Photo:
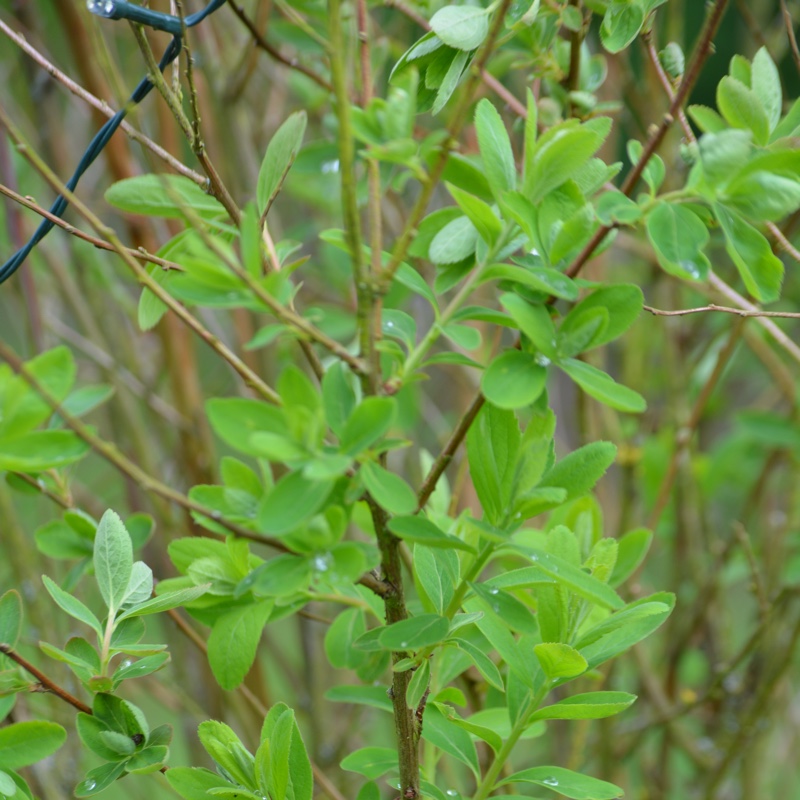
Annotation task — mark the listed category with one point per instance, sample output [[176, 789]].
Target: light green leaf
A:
[[766, 85], [462, 27], [534, 321], [40, 450], [621, 25], [162, 196], [479, 213], [631, 550], [193, 783], [73, 606], [678, 237], [449, 737], [742, 108], [591, 705], [113, 560], [559, 660], [281, 153], [495, 148], [388, 490], [294, 499], [164, 602], [513, 380], [372, 762], [24, 743], [579, 471], [233, 642], [454, 242], [369, 422]]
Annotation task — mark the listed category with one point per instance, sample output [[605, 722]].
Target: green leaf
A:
[[482, 662], [422, 531], [415, 633], [449, 737], [388, 490], [579, 471], [235, 420], [742, 108], [567, 783], [495, 148], [10, 617], [462, 27], [369, 422], [373, 696], [454, 242], [99, 779], [148, 760], [233, 642], [162, 196], [576, 580], [763, 196], [40, 451], [480, 214], [223, 745], [164, 602], [513, 380], [723, 153], [113, 560], [766, 85], [603, 387], [631, 550], [451, 79], [621, 25], [294, 499], [591, 705], [760, 268], [338, 396], [534, 321], [24, 743], [371, 762], [193, 783], [708, 120], [283, 575], [141, 667], [623, 301], [281, 153], [678, 237], [517, 616], [558, 155], [559, 660], [73, 606], [542, 279]]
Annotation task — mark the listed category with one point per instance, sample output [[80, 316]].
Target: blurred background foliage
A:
[[712, 466]]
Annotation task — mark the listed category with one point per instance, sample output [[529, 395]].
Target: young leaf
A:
[[449, 737], [678, 237], [162, 196], [766, 85], [742, 108], [371, 762], [281, 153], [479, 213], [579, 471], [73, 606], [462, 27], [369, 422], [495, 147], [164, 602], [294, 499], [560, 661], [621, 24], [631, 550], [113, 560]]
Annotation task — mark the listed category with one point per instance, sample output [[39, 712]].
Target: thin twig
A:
[[100, 244], [739, 312], [48, 684], [787, 18]]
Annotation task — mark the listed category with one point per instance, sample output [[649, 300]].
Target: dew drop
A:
[[88, 786], [126, 663], [534, 558], [102, 7], [451, 793], [323, 562], [551, 781], [330, 166], [542, 360], [403, 644], [494, 591]]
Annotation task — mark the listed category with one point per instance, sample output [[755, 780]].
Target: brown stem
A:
[[789, 22], [739, 312], [47, 683]]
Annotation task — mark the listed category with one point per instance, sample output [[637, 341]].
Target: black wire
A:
[[100, 140]]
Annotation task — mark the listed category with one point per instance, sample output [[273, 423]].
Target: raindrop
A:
[[494, 591], [103, 7], [330, 166], [534, 558], [88, 786], [126, 663], [323, 562], [451, 793], [388, 324], [542, 360], [551, 781], [403, 644]]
